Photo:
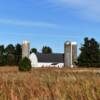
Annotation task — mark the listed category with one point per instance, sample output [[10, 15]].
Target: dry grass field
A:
[[50, 84]]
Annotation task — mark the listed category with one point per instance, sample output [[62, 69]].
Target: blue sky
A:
[[49, 22]]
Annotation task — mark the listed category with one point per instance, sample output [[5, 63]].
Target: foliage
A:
[[11, 59], [33, 50], [1, 49], [90, 53], [11, 55], [25, 64], [46, 50], [1, 55], [10, 51], [3, 60], [18, 53]]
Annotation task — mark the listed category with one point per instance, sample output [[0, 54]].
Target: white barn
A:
[[47, 60]]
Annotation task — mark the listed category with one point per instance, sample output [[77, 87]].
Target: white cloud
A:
[[88, 9], [28, 23]]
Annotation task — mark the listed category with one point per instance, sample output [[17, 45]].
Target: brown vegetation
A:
[[49, 84]]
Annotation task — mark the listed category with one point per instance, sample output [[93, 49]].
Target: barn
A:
[[47, 60]]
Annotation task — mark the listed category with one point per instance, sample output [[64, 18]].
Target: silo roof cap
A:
[[69, 42], [25, 42], [74, 43]]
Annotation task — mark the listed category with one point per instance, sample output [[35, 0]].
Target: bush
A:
[[25, 64]]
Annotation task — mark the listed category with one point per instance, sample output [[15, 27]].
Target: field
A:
[[50, 84]]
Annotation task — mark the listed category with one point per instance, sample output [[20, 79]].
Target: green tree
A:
[[1, 49], [10, 52], [18, 53], [90, 53], [1, 54], [33, 50], [10, 49], [25, 64], [46, 50]]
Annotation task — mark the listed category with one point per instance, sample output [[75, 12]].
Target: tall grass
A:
[[49, 84]]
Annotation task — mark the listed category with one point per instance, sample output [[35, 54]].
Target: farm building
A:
[[67, 59]]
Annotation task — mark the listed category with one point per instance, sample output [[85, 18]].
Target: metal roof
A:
[[54, 57]]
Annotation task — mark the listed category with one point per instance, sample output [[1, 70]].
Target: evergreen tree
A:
[[46, 50], [18, 53], [33, 50], [25, 64], [1, 54], [10, 52], [90, 54]]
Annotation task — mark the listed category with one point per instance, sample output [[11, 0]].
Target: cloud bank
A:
[[88, 9]]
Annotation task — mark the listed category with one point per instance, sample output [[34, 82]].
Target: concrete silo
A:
[[25, 49], [70, 54]]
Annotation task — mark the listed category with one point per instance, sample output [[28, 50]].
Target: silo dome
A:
[[67, 43], [25, 42], [34, 60], [74, 43]]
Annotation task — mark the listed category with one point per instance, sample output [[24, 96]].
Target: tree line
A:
[[45, 50], [12, 55], [89, 55]]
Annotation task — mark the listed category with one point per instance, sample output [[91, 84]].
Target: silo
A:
[[74, 53], [70, 54], [25, 49]]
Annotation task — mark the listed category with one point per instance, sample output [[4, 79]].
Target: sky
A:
[[49, 22]]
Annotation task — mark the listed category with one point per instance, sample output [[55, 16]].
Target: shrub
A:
[[25, 64]]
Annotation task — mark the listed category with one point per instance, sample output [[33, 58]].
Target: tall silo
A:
[[25, 49], [74, 53], [70, 54]]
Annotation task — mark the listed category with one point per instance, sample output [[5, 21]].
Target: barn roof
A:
[[54, 57]]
